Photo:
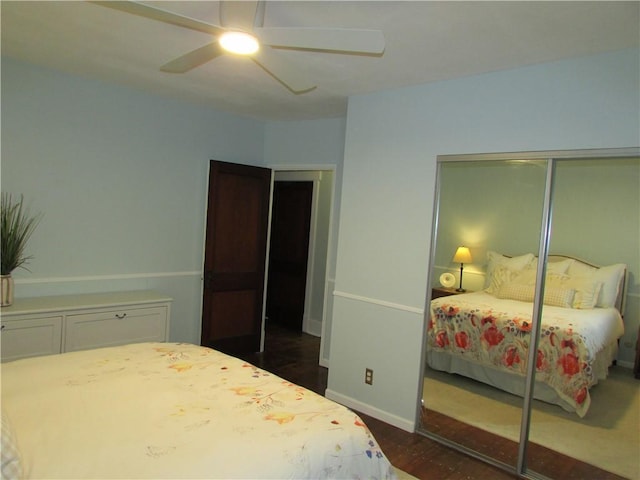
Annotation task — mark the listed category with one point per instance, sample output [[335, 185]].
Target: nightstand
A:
[[437, 292]]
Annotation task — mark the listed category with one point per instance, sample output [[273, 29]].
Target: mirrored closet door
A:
[[595, 222], [515, 238]]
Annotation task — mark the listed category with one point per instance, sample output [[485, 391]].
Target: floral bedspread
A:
[[158, 410], [497, 337]]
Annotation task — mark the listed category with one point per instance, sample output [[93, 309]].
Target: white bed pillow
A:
[[610, 276], [528, 277], [587, 291], [560, 267], [586, 288], [511, 264], [500, 275]]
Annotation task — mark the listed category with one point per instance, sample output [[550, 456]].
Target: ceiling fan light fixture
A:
[[240, 43]]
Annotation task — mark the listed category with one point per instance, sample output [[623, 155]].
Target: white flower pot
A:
[[6, 290]]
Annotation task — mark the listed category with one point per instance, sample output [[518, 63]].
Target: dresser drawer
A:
[[115, 327], [31, 337]]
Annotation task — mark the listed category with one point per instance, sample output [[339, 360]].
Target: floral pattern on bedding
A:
[[500, 340], [182, 411]]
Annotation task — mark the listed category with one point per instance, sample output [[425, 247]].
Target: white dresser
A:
[[46, 325]]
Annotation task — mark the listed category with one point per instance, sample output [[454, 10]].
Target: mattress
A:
[[157, 410]]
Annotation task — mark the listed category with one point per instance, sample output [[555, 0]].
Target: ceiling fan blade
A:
[[258, 21], [161, 15], [238, 14], [193, 59], [329, 39], [292, 78]]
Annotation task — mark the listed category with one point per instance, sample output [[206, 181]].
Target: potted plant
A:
[[16, 226]]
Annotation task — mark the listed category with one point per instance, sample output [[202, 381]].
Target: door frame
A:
[[328, 282], [314, 177], [330, 247]]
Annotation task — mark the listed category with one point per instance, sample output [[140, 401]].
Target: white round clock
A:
[[447, 280]]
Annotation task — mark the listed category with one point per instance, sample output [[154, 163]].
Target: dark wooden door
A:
[[235, 256], [289, 252]]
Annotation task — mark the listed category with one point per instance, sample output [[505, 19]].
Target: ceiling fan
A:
[[246, 19]]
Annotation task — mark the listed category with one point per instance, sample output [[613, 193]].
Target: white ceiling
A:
[[426, 41]]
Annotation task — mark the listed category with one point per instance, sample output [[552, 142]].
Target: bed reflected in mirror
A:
[[595, 220], [580, 215], [494, 209]]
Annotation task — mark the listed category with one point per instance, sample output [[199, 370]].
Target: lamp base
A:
[[460, 290]]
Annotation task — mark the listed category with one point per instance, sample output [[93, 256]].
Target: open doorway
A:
[[236, 249], [298, 252]]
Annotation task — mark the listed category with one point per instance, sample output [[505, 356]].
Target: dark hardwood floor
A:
[[294, 356]]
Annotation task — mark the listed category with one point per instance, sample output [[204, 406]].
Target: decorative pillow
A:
[[516, 291], [512, 263], [555, 296], [559, 268], [587, 291], [559, 297], [610, 276], [500, 275], [11, 465], [528, 277]]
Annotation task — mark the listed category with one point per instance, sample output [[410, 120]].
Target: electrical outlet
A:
[[368, 376]]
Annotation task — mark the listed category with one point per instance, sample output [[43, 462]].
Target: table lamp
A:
[[462, 256]]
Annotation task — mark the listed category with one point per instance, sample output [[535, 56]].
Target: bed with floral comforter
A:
[[175, 411], [575, 348]]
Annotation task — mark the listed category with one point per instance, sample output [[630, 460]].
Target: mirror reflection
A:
[[487, 229], [489, 217], [597, 225]]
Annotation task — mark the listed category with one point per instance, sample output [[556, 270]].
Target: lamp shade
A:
[[462, 255]]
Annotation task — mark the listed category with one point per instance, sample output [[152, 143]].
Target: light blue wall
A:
[[313, 144], [392, 141], [487, 206], [121, 178]]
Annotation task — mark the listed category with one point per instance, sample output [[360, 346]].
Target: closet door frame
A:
[[545, 236]]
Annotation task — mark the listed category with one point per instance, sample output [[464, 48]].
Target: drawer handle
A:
[[121, 316]]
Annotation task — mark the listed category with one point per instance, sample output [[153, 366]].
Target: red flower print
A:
[[451, 310], [581, 396], [569, 363], [523, 325], [492, 336], [540, 360], [462, 340], [442, 339], [511, 356], [569, 344], [490, 319], [430, 326]]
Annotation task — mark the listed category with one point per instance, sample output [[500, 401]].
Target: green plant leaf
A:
[[16, 227]]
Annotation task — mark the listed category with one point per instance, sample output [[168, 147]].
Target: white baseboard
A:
[[402, 423], [625, 364], [313, 327]]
